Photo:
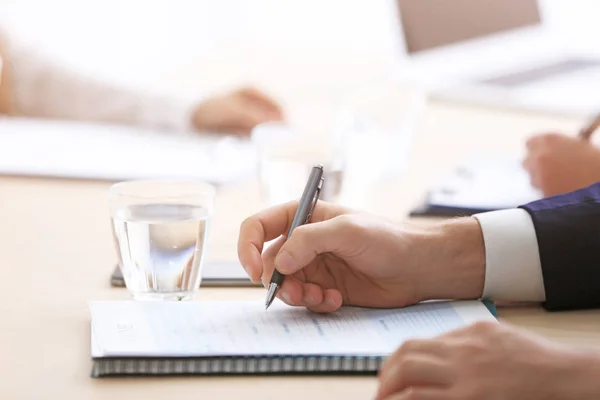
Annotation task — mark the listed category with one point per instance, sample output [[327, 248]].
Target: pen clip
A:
[[314, 203]]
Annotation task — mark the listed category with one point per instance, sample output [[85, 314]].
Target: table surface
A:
[[57, 254]]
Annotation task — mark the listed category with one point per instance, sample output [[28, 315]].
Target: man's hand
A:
[[488, 361], [559, 164], [345, 257], [236, 112]]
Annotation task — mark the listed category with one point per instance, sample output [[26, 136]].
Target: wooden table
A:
[[57, 254]]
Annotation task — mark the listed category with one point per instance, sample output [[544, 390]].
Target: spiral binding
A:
[[236, 365]]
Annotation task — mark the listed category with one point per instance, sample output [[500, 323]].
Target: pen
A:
[[303, 213], [586, 132]]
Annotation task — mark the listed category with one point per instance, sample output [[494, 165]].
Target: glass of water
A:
[[161, 229], [285, 160]]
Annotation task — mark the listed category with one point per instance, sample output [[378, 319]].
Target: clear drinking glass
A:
[[161, 230], [285, 159], [376, 126]]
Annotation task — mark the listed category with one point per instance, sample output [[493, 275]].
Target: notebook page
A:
[[245, 328]]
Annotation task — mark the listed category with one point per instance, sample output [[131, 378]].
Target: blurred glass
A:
[[285, 159], [367, 138], [161, 230], [376, 128]]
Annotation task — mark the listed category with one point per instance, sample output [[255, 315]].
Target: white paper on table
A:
[[110, 152], [485, 183], [215, 328]]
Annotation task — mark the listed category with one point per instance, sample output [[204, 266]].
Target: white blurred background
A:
[[149, 40], [177, 43]]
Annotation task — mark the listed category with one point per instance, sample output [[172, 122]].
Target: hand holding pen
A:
[[588, 130], [306, 205], [351, 258], [559, 163]]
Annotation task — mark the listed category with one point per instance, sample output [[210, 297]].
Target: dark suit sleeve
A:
[[568, 233]]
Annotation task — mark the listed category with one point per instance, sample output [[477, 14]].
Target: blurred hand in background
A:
[[559, 164], [35, 86], [236, 112]]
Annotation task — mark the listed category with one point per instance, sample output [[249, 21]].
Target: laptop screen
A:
[[428, 24]]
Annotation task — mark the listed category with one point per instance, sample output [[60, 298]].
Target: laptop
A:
[[496, 52]]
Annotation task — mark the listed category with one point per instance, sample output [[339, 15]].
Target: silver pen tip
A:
[[270, 294]]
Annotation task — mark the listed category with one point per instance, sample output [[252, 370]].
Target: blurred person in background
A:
[[34, 86], [558, 163]]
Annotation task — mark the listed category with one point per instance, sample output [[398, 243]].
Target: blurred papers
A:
[[107, 152]]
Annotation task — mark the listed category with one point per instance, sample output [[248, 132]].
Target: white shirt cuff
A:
[[513, 269]]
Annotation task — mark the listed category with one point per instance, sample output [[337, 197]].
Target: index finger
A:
[[268, 225], [258, 229]]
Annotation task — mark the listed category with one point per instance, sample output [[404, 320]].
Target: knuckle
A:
[[300, 235], [409, 346], [553, 137], [248, 222], [407, 365], [472, 348], [349, 222], [549, 138], [345, 220], [292, 204], [467, 351]]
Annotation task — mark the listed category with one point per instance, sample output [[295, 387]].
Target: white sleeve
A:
[[44, 89], [513, 268]]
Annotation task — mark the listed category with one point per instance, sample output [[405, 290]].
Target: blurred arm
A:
[[5, 103], [33, 86]]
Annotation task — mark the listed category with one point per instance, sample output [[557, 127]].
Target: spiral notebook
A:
[[240, 337]]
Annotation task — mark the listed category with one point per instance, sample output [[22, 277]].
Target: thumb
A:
[[308, 241]]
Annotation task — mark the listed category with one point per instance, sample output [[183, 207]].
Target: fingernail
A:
[[331, 303], [286, 297], [284, 261], [309, 300]]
